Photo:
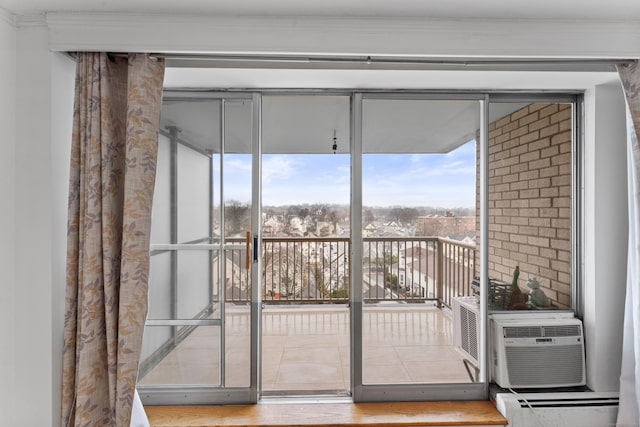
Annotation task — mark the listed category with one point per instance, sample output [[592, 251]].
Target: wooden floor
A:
[[479, 413]]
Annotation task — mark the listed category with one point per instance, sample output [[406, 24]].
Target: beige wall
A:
[[530, 198]]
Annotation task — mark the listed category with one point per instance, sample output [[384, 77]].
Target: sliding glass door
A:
[[417, 194]]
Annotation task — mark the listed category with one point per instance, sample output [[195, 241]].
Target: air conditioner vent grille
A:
[[536, 366], [542, 331], [469, 327]]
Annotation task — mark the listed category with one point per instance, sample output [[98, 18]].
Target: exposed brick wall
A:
[[530, 198]]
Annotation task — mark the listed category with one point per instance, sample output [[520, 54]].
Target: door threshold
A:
[[302, 399]]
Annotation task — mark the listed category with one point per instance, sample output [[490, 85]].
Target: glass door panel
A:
[[419, 198], [306, 245], [196, 337]]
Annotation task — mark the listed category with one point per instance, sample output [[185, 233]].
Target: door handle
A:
[[248, 243]]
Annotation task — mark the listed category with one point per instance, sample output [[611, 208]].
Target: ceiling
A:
[[308, 124], [625, 10], [287, 121]]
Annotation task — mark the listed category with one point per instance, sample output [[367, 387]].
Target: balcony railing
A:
[[317, 270]]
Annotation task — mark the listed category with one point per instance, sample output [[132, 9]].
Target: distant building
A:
[[449, 225]]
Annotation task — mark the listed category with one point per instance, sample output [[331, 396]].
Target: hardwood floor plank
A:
[[476, 413]]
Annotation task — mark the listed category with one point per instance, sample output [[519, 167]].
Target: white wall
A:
[[7, 214], [33, 231], [44, 86], [606, 223], [62, 86]]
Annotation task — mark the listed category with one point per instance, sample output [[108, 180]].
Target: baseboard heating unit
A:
[[583, 409]]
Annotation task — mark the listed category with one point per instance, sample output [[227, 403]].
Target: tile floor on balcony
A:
[[306, 348]]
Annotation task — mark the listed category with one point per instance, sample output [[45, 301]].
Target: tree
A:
[[237, 218]]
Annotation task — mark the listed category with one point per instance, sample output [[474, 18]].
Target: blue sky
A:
[[438, 180]]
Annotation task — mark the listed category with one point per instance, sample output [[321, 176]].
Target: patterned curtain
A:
[[113, 161], [629, 410]]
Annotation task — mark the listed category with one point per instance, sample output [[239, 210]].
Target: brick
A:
[[538, 241], [536, 106], [562, 228], [539, 144], [502, 220], [548, 253], [564, 191], [540, 164], [549, 213], [510, 195], [501, 187], [502, 171], [544, 202], [530, 193], [561, 159], [530, 213], [510, 178], [531, 231], [565, 148], [530, 118], [528, 175], [550, 152], [519, 257], [564, 213], [547, 232], [560, 266], [518, 132], [510, 246], [509, 127], [520, 167], [540, 183], [540, 222], [503, 121], [519, 114], [559, 244], [549, 130], [518, 150], [531, 136], [510, 228], [561, 138], [564, 256], [502, 203], [539, 124], [565, 125], [548, 172], [494, 132], [564, 169], [562, 180], [529, 250], [519, 185], [564, 277], [511, 212], [517, 239], [519, 204], [561, 116], [539, 261], [501, 139], [496, 180], [516, 220], [549, 192], [548, 110], [529, 157]]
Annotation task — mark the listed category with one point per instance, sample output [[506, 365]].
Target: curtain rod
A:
[[381, 61]]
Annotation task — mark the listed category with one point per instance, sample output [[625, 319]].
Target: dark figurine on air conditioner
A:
[[517, 299]]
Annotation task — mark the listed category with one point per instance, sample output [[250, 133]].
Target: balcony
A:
[[408, 284]]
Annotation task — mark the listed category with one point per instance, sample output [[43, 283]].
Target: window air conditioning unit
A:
[[538, 353], [466, 327]]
